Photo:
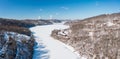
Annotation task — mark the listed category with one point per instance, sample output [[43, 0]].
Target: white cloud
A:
[[41, 9], [65, 8], [97, 3], [56, 13], [39, 17], [50, 16]]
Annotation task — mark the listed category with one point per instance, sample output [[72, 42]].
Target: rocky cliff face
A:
[[16, 40], [15, 46], [95, 38]]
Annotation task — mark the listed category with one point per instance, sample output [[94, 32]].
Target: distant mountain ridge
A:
[[27, 22]]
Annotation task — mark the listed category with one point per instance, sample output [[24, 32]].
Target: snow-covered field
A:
[[48, 48]]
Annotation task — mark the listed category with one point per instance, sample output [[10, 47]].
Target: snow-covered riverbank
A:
[[49, 48]]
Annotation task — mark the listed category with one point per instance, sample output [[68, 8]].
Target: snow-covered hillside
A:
[[48, 48], [95, 37]]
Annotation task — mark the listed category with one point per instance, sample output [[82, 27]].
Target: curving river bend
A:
[[49, 48]]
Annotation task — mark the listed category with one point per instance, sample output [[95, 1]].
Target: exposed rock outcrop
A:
[[15, 46], [16, 40]]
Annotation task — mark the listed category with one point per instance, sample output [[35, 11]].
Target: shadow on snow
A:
[[40, 52]]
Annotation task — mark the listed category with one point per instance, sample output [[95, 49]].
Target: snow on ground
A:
[[49, 48], [110, 24]]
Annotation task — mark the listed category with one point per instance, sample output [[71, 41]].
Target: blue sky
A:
[[58, 9]]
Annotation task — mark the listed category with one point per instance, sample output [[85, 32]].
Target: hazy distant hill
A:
[[41, 21]]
